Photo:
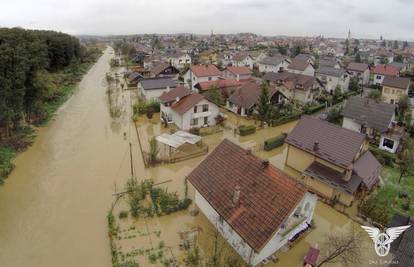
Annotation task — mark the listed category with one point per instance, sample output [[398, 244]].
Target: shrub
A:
[[384, 157], [309, 109], [123, 214], [195, 131], [247, 129], [274, 142], [285, 119]]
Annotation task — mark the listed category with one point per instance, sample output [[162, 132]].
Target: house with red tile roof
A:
[[360, 71], [201, 73], [237, 73], [187, 109], [379, 72], [331, 161], [256, 207]]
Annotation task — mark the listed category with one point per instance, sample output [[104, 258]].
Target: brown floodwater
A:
[[53, 207]]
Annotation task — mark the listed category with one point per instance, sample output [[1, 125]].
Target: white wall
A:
[[350, 124]]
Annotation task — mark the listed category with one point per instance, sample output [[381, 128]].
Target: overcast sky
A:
[[367, 18]]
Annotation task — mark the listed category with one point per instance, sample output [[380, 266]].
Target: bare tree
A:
[[342, 248]]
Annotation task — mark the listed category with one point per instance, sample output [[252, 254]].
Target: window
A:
[[205, 107], [307, 206], [195, 109], [378, 77], [388, 143], [194, 122], [205, 120], [209, 78], [220, 220]]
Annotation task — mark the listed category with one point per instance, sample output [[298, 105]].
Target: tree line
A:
[[32, 66]]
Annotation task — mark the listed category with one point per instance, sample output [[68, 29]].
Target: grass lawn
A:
[[390, 198]]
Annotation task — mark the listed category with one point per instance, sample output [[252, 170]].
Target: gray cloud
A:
[[368, 18]]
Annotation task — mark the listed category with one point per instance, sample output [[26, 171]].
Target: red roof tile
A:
[[239, 70], [205, 70], [361, 67], [221, 83], [186, 103], [298, 64], [267, 195], [387, 70], [179, 91]]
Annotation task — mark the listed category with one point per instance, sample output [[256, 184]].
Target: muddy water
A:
[[53, 206]]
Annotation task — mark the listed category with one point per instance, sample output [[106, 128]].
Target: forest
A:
[[38, 72]]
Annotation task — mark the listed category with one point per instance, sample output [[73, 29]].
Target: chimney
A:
[[315, 145], [248, 151], [265, 163], [236, 195], [168, 88]]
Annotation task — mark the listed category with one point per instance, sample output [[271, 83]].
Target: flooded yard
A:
[[53, 207]]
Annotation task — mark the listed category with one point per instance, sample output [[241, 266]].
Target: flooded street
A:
[[53, 206]]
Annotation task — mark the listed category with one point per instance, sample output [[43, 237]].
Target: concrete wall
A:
[[392, 95]]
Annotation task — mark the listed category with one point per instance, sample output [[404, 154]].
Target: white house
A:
[[187, 109], [201, 73], [359, 71], [332, 78], [301, 66], [179, 60], [243, 59], [256, 207], [274, 64], [152, 88], [237, 73], [381, 71]]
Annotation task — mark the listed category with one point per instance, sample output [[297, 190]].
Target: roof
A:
[[220, 83], [156, 70], [291, 80], [186, 103], [397, 82], [157, 83], [361, 67], [333, 178], [331, 71], [335, 144], [239, 70], [311, 257], [178, 139], [327, 62], [248, 94], [179, 91], [240, 56], [205, 70], [368, 168], [364, 111], [274, 60], [404, 256], [298, 64], [387, 70], [267, 195], [398, 220]]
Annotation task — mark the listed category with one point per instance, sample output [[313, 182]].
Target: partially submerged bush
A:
[[274, 142], [247, 129]]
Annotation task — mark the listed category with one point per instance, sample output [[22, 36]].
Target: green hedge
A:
[[384, 157], [247, 129], [313, 109], [286, 119], [350, 93], [274, 142]]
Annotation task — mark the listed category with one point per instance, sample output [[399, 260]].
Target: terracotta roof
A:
[[179, 91], [186, 103], [368, 168], [220, 83], [369, 112], [267, 195], [248, 94], [387, 70], [298, 64], [239, 70], [397, 82], [361, 67], [205, 70], [335, 144]]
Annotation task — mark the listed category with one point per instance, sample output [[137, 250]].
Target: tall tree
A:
[[406, 159], [395, 45], [263, 106]]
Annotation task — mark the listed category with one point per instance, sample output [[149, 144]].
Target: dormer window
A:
[[195, 109]]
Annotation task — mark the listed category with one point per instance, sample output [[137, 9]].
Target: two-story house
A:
[[294, 87], [379, 72], [257, 208], [274, 63], [374, 118], [332, 161], [237, 73], [301, 66], [179, 60], [393, 88], [333, 77], [243, 59], [201, 73], [164, 70], [187, 109], [360, 71]]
